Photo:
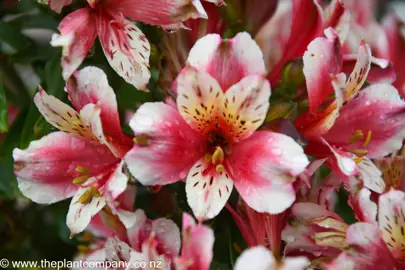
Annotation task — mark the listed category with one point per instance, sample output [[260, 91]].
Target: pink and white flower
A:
[[210, 138], [84, 159], [381, 243], [197, 246], [361, 245], [286, 35], [261, 258], [357, 124], [56, 5], [147, 240], [125, 46], [159, 240]]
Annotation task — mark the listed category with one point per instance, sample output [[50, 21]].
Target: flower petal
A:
[[364, 208], [228, 61], [57, 5], [197, 248], [46, 169], [359, 73], [297, 263], [263, 168], [393, 28], [127, 50], [392, 222], [379, 111], [207, 190], [117, 251], [322, 60], [134, 232], [172, 147], [80, 214], [61, 116], [306, 20], [381, 70], [245, 107], [367, 249], [198, 99], [117, 181], [90, 86], [258, 258], [168, 14], [338, 17], [91, 117], [78, 32], [371, 175], [167, 236], [341, 160]]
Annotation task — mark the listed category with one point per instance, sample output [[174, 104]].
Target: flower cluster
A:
[[271, 124]]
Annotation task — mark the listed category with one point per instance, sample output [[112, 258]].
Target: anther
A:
[[356, 136], [360, 152], [220, 168], [368, 138], [83, 170], [141, 140], [80, 180], [95, 192], [357, 160], [86, 197], [83, 249], [207, 158], [218, 156]]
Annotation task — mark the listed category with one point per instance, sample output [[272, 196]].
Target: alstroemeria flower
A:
[[197, 246], [314, 230], [377, 244], [56, 5], [285, 37], [366, 249], [393, 169], [357, 124], [210, 138], [260, 258], [148, 240], [361, 245], [125, 46], [84, 158]]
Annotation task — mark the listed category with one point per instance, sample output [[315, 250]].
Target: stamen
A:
[[207, 158], [368, 138], [218, 156], [80, 180], [220, 168], [86, 237], [83, 249], [331, 239], [86, 197], [83, 170], [356, 136], [357, 160], [360, 152], [141, 140], [95, 192]]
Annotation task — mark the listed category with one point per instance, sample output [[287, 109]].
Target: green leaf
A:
[[33, 53], [285, 110], [28, 133], [54, 82], [8, 183], [13, 37], [3, 110]]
